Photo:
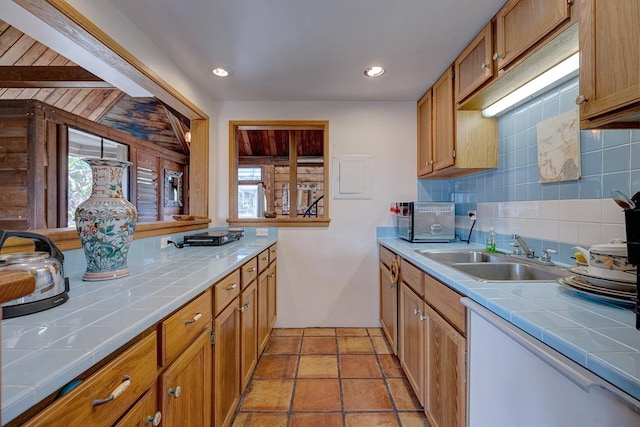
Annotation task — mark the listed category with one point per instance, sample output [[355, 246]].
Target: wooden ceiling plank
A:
[[14, 53], [28, 93], [31, 55], [67, 96], [60, 61], [47, 57], [273, 147], [42, 94], [178, 130], [76, 100], [55, 96], [3, 27], [49, 76], [8, 39], [89, 99], [107, 103], [244, 145]]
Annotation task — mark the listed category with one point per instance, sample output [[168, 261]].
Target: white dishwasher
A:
[[516, 380]]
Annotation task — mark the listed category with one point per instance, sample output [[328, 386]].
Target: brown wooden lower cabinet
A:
[[446, 373], [248, 333], [226, 364], [272, 304], [263, 314], [185, 391], [412, 350], [432, 344], [389, 272]]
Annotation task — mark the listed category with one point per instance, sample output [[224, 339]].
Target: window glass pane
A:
[[248, 201], [79, 180], [250, 174]]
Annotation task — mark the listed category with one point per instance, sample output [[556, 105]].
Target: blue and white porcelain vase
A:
[[106, 221]]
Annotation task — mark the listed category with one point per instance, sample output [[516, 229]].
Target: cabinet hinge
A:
[[453, 154], [213, 337]]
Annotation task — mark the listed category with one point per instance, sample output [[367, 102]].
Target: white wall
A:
[[329, 276]]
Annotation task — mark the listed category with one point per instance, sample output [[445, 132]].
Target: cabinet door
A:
[[520, 24], [445, 373], [411, 339], [263, 310], [609, 55], [425, 135], [443, 122], [185, 386], [389, 301], [248, 333], [474, 65], [226, 364], [272, 303], [144, 413]]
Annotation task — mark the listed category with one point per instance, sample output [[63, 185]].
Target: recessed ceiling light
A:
[[375, 71], [220, 72]]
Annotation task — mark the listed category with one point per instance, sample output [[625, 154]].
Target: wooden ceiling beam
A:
[[14, 76]]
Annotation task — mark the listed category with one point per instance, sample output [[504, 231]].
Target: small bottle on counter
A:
[[491, 241]]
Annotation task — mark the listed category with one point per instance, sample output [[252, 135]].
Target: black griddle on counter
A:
[[213, 238]]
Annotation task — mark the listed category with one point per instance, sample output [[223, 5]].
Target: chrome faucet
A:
[[523, 245]]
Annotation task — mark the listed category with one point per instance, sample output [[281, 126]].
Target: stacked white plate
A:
[[613, 286]]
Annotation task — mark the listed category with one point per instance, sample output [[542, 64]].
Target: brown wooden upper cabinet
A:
[[474, 66], [609, 63], [521, 24], [453, 142], [425, 136]]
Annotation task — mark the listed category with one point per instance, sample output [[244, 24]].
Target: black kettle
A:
[[46, 264]]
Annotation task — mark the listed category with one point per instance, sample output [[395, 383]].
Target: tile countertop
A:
[[599, 336], [42, 352]]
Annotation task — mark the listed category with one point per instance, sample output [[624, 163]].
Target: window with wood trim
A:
[[278, 173]]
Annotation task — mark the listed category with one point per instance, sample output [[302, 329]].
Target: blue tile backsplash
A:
[[609, 159]]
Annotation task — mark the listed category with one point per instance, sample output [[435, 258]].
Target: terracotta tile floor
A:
[[342, 377]]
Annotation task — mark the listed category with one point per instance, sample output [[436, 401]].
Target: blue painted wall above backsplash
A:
[[609, 159]]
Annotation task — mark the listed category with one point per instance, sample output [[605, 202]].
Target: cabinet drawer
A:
[[144, 413], [248, 272], [446, 301], [413, 277], [263, 260], [225, 291], [386, 256], [81, 406], [182, 327], [273, 252]]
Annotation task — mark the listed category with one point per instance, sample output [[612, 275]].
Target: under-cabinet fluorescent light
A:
[[536, 86]]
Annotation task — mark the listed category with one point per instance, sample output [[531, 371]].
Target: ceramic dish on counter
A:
[[601, 283], [595, 292], [602, 275]]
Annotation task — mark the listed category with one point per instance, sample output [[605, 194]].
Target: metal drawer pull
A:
[[484, 66], [264, 258], [231, 287], [416, 311], [391, 285], [175, 392], [271, 275], [423, 318], [194, 320], [126, 382], [251, 270], [154, 420], [244, 306]]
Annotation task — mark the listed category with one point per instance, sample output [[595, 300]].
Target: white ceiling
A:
[[312, 50]]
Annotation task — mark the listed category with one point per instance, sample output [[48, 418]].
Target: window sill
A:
[[67, 238], [279, 222]]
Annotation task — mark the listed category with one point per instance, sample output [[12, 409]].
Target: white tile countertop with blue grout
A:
[[42, 352], [599, 336]]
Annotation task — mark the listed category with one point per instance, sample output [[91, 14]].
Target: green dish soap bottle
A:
[[491, 241]]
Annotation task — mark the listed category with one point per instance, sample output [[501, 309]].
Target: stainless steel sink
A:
[[493, 267], [461, 256], [509, 272]]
